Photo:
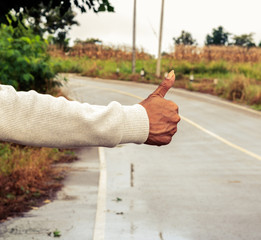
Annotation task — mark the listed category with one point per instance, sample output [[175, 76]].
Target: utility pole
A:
[[160, 38], [134, 39]]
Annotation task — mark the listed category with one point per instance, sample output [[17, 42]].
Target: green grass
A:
[[256, 107], [101, 68]]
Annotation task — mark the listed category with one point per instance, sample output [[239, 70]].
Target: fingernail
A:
[[170, 75]]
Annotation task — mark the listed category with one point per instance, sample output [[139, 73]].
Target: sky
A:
[[197, 17]]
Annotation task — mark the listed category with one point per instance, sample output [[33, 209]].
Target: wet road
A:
[[204, 185]]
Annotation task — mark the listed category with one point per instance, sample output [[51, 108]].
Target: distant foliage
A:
[[61, 41], [244, 40], [185, 38], [218, 37], [24, 60], [88, 41]]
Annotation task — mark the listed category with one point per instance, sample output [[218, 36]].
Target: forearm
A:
[[36, 119]]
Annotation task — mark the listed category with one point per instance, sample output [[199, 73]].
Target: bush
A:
[[240, 89], [24, 60]]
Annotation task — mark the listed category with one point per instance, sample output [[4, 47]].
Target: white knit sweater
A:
[[35, 119]]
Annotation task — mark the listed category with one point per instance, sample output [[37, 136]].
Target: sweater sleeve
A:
[[30, 118]]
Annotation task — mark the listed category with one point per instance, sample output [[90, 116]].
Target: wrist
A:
[[136, 124]]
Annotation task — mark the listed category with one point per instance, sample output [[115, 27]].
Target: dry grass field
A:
[[216, 53]]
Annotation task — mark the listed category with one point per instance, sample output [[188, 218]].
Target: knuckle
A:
[[175, 118], [174, 106], [168, 140], [173, 131], [164, 140]]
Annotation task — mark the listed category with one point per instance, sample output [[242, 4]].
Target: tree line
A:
[[219, 37]]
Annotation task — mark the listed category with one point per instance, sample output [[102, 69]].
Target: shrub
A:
[[233, 88], [24, 60]]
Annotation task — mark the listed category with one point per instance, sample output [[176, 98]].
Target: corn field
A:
[[102, 52], [213, 53], [180, 52]]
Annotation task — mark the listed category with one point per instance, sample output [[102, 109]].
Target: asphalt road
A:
[[205, 185]]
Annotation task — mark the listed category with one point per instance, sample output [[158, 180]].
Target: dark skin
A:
[[163, 114]]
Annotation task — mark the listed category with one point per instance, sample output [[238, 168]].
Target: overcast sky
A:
[[198, 17]]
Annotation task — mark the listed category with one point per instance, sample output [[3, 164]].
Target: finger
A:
[[166, 84], [165, 140]]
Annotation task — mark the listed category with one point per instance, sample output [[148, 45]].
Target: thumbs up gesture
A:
[[162, 113]]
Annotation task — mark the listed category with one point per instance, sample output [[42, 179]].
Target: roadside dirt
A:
[[43, 190]]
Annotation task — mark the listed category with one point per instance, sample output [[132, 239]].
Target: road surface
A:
[[205, 185]]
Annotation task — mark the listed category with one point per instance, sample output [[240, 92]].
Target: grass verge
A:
[[238, 82], [28, 176]]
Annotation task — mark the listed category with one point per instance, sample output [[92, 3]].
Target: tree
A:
[[219, 37], [45, 19], [60, 40], [54, 17], [185, 38], [244, 40], [88, 41], [64, 5], [49, 16]]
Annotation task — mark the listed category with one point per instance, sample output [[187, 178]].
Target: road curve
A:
[[204, 185]]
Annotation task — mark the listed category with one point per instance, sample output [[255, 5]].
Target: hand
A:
[[162, 113]]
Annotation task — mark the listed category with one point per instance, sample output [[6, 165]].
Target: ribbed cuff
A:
[[136, 124]]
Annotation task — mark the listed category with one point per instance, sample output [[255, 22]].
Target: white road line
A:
[[100, 221], [209, 98], [223, 139], [197, 126]]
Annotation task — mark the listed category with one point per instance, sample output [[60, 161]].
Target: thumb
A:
[[166, 84]]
